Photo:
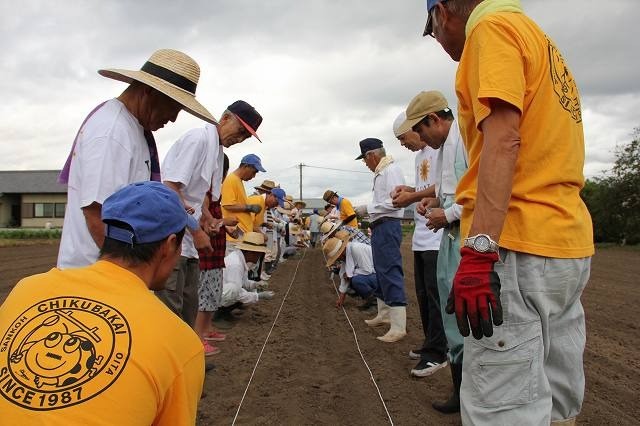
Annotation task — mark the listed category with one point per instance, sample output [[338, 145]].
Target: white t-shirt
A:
[[423, 238], [358, 261], [110, 153], [195, 161]]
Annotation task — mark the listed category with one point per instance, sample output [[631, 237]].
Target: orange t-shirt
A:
[[507, 56], [258, 218], [233, 193], [346, 210]]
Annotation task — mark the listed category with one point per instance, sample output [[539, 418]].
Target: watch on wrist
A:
[[482, 243]]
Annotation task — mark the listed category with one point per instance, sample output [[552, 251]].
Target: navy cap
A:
[[152, 210], [248, 116], [367, 145], [253, 160]]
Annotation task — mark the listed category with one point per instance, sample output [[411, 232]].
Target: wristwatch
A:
[[482, 243]]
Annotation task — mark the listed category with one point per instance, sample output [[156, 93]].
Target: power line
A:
[[338, 170]]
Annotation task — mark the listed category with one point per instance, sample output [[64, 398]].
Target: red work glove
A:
[[476, 287]]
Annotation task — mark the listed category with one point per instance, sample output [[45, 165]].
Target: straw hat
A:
[[286, 209], [266, 186], [332, 249], [252, 241], [300, 202], [328, 194], [295, 229], [342, 234], [326, 226], [172, 73]]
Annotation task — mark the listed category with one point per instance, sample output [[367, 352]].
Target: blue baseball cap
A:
[[280, 195], [253, 160], [428, 27], [367, 145], [150, 209]]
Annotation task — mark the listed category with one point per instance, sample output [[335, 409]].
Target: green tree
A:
[[626, 178]]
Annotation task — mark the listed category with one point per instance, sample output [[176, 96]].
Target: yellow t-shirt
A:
[[258, 218], [508, 57], [94, 346], [233, 193], [346, 210]]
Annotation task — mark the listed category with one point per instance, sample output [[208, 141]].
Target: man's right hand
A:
[[426, 204], [402, 196]]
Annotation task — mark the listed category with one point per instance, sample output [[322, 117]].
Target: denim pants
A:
[[424, 268], [387, 261], [531, 370], [364, 285]]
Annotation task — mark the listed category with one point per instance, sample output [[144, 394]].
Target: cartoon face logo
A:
[[63, 350], [62, 357], [563, 83]]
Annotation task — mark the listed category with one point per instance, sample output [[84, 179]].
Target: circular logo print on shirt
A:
[[424, 170], [62, 352]]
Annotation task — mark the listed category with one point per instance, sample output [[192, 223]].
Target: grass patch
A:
[[30, 234]]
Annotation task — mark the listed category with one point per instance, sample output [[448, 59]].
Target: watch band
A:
[[482, 243]]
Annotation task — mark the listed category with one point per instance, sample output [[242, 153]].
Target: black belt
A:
[[381, 221]]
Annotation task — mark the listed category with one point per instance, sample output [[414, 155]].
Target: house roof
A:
[[31, 182]]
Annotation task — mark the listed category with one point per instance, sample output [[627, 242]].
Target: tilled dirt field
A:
[[311, 372]]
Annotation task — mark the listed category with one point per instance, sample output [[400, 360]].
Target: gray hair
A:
[[380, 152]]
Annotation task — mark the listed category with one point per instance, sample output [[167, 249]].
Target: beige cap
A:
[[420, 106]]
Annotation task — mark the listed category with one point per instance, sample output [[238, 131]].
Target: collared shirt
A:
[[451, 164], [384, 183], [357, 235]]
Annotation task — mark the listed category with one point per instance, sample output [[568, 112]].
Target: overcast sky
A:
[[323, 73]]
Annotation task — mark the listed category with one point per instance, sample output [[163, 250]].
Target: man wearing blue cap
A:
[[192, 167], [527, 235], [96, 337], [386, 236], [234, 197]]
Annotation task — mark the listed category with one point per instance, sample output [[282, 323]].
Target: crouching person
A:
[[356, 267], [237, 289]]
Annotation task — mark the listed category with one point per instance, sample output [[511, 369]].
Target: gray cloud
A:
[[324, 74]]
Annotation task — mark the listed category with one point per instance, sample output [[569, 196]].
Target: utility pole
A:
[[300, 166]]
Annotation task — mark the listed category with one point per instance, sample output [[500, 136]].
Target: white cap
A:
[[396, 124]]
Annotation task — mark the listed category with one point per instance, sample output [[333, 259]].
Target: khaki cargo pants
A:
[[530, 372]]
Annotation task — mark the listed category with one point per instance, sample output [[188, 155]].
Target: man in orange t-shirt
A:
[[529, 235]]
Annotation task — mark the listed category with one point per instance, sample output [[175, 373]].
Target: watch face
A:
[[481, 243]]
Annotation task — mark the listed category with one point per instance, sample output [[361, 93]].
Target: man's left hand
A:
[[475, 295], [436, 219]]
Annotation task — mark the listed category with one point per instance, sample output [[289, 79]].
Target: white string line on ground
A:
[[355, 337], [255, 367]]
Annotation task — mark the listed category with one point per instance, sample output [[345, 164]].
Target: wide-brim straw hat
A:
[[252, 241], [295, 203], [170, 72], [295, 230], [266, 186], [333, 249]]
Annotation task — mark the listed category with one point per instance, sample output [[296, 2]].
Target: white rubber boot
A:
[[382, 317], [398, 329]]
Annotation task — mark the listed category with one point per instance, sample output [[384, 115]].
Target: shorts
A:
[[210, 290]]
